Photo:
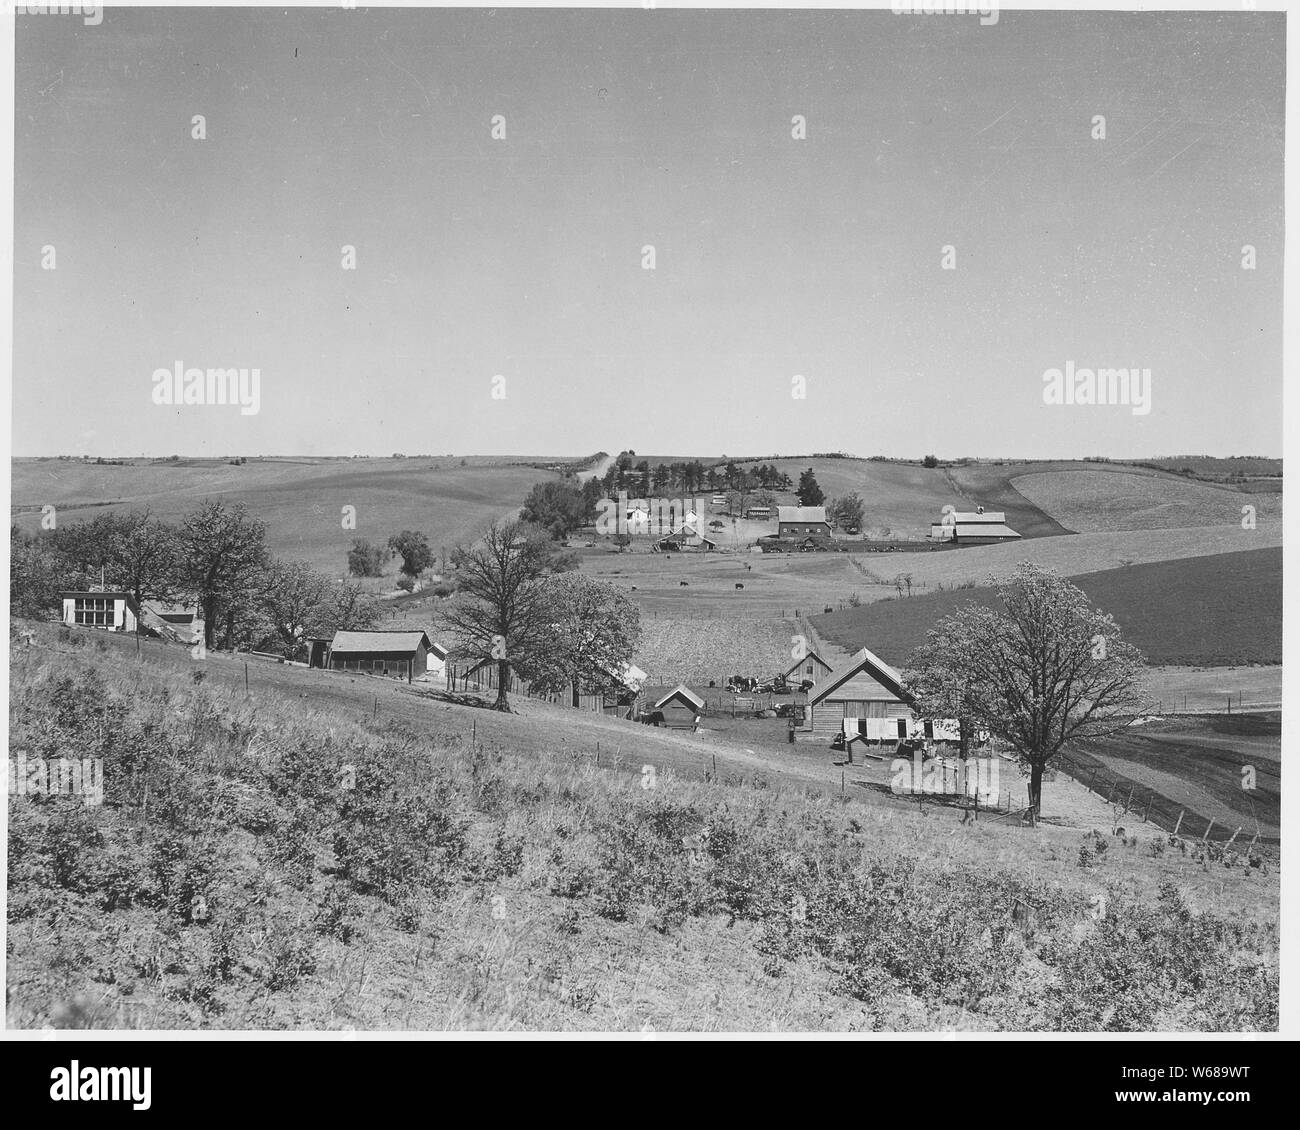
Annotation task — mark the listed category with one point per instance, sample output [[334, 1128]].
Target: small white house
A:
[[112, 611]]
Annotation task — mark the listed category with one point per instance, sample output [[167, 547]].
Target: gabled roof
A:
[[988, 516], [628, 675], [404, 642], [864, 660], [685, 694], [801, 514], [810, 654], [972, 530]]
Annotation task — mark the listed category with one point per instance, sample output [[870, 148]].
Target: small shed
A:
[[681, 708], [403, 654]]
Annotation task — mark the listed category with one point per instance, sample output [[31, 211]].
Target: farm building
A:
[[619, 693], [811, 666], [179, 616], [978, 527], [758, 513], [112, 611], [404, 654], [681, 708], [866, 688], [481, 676], [796, 521], [686, 538]]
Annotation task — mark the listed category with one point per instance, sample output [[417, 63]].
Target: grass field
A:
[[1219, 610], [1141, 500], [695, 651], [304, 859], [300, 501]]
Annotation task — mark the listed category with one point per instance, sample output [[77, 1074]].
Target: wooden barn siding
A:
[[818, 673], [827, 718], [679, 716]]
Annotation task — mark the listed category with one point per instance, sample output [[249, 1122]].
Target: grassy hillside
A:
[[1092, 502], [300, 501], [274, 862], [1219, 610]]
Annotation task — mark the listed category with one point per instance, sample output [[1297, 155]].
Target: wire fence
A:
[[1134, 801]]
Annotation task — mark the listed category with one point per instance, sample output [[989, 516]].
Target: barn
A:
[[977, 527], [112, 611], [811, 666], [401, 654], [681, 708], [797, 521], [866, 688]]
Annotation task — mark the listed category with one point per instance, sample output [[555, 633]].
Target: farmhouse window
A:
[[93, 612]]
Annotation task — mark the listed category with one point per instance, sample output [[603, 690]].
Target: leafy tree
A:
[[557, 507], [221, 553], [810, 494], [365, 559], [413, 548], [497, 612], [592, 630], [930, 461], [1042, 672], [847, 511], [142, 556], [296, 600], [37, 572]]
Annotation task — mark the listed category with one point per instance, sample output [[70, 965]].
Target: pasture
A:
[[300, 500], [1220, 610], [1092, 502]]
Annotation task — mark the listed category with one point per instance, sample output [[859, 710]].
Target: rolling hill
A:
[[1214, 610], [300, 501]]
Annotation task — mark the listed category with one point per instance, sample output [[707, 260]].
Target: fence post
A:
[[1128, 802], [1207, 830], [1179, 824]]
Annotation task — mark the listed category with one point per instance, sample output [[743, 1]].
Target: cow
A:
[[683, 584], [740, 586]]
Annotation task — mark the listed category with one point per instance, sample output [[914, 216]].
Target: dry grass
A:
[[526, 948], [1097, 502]]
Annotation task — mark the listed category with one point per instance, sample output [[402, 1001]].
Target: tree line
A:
[[215, 557]]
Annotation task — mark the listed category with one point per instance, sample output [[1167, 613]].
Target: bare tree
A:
[[1042, 672]]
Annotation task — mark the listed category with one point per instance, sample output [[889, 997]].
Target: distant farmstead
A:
[[112, 611], [798, 521], [978, 527], [405, 655]]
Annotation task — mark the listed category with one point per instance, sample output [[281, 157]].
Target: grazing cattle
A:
[[682, 584], [740, 586]]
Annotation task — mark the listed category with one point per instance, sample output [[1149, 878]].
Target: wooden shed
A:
[[865, 688], [403, 655], [681, 708]]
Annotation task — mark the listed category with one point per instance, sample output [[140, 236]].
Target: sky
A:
[[929, 140]]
